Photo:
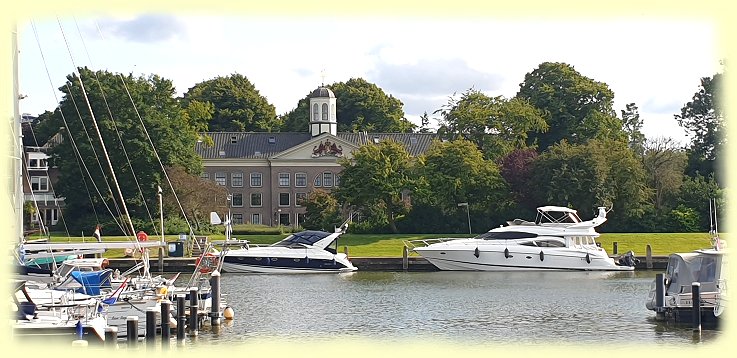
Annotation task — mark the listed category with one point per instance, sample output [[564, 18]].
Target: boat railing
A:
[[412, 244]]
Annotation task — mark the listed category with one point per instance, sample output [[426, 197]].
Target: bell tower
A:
[[322, 112]]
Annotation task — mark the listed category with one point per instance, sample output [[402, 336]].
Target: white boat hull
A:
[[519, 259]]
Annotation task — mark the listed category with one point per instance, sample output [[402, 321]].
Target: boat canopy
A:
[[686, 268], [88, 283], [304, 237]]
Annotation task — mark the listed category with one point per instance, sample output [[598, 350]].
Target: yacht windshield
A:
[[506, 235], [305, 237]]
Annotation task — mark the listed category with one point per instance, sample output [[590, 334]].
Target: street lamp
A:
[[468, 214]]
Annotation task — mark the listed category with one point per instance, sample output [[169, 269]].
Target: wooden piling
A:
[[165, 315], [696, 305], [615, 248], [215, 294], [193, 306], [111, 337], [161, 259], [660, 297], [150, 327], [181, 317], [131, 330], [649, 257], [405, 258]]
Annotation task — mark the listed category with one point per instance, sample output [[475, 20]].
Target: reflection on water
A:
[[500, 308]]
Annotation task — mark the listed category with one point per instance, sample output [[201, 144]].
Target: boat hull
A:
[[250, 262], [517, 259]]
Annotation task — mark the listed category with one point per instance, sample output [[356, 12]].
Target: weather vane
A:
[[322, 75]]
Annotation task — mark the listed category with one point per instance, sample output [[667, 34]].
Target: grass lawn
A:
[[390, 245]]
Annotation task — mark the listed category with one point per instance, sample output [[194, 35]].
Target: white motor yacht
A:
[[302, 252], [557, 240]]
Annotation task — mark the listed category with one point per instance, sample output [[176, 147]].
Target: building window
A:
[[40, 183], [205, 176], [300, 180], [236, 180], [233, 139], [220, 178], [327, 179], [256, 219], [37, 163], [337, 180], [272, 140], [237, 219], [284, 219], [256, 200], [324, 111], [314, 112], [283, 199], [318, 181], [299, 199], [237, 200], [256, 180], [300, 219], [284, 179]]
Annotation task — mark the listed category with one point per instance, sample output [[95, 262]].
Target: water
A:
[[478, 308]]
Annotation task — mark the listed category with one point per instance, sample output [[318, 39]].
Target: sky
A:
[[656, 63]]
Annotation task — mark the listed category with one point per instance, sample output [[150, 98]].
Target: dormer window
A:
[[272, 140], [413, 140], [376, 140], [221, 153], [233, 140]]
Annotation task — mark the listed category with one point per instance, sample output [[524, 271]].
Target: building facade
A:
[[268, 174]]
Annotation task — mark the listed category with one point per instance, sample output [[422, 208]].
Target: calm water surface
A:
[[510, 308]]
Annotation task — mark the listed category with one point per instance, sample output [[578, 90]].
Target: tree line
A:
[[558, 141]]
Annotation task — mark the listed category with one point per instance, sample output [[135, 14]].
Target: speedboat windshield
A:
[[506, 235], [308, 238]]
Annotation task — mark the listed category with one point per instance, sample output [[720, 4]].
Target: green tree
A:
[[696, 192], [703, 118], [585, 176], [376, 177], [322, 211], [456, 172], [632, 125], [237, 105], [576, 108], [496, 125], [197, 196], [664, 165], [361, 106], [85, 177]]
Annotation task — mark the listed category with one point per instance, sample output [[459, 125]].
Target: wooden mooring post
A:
[[615, 248], [649, 257], [405, 258]]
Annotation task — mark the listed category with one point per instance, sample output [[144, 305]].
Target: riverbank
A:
[[382, 264]]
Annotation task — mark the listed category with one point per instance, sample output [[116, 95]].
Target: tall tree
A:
[[703, 118], [237, 104], [577, 108], [376, 177], [86, 180], [664, 165], [197, 196], [632, 125], [361, 106], [598, 173], [456, 172], [496, 125], [322, 211]]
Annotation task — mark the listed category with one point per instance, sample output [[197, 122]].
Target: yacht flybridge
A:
[[557, 240]]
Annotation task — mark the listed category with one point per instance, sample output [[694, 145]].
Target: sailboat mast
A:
[[17, 134]]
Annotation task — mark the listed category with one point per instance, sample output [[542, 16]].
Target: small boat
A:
[[307, 251], [557, 240], [671, 294]]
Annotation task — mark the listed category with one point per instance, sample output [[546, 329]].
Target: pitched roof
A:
[[254, 145]]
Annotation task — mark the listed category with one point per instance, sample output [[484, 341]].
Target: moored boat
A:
[[561, 242]]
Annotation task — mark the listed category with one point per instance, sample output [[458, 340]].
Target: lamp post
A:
[[468, 214]]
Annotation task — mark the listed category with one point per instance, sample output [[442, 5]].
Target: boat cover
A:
[[92, 281]]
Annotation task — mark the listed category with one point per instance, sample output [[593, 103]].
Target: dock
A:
[[376, 264]]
